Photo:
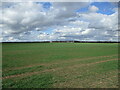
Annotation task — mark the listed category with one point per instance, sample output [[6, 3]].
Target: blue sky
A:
[[60, 21], [104, 8]]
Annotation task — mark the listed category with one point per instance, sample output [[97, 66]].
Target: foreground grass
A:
[[49, 65]]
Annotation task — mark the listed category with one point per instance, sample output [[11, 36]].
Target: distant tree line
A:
[[66, 42]]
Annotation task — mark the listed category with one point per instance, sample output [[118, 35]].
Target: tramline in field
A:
[[53, 65]]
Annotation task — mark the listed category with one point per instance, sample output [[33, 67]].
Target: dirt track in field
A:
[[48, 64], [50, 70]]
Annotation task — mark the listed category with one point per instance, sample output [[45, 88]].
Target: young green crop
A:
[[49, 65]]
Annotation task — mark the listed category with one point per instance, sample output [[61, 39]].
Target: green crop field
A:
[[60, 65]]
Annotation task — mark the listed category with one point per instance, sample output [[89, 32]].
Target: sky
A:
[[59, 21]]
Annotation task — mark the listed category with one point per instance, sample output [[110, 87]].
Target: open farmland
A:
[[60, 65]]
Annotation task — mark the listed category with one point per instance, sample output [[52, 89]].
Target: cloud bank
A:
[[33, 21]]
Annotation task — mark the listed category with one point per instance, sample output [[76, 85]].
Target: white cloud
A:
[[101, 21], [28, 21], [93, 8], [20, 17], [95, 26], [68, 9]]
